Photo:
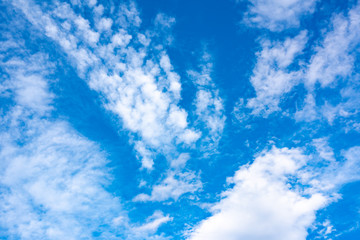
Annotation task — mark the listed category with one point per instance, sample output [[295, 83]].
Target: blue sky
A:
[[175, 119]]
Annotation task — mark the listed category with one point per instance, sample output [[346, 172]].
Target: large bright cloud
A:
[[264, 203]]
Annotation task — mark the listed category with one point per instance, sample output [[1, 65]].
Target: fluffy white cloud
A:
[[350, 169], [277, 15], [30, 89], [264, 204], [277, 196], [55, 185]]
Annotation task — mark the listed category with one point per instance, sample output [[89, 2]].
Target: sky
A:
[[169, 119]]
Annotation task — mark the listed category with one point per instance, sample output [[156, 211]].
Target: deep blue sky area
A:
[[171, 119]]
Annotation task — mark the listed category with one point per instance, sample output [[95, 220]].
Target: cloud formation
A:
[[281, 66], [263, 204], [131, 71], [52, 177], [209, 106], [278, 15], [277, 196], [54, 181]]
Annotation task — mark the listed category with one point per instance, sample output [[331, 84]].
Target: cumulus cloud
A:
[[277, 15], [263, 204], [277, 196]]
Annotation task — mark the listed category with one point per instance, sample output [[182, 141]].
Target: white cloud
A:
[[209, 105], [180, 161], [173, 186], [55, 185], [163, 20], [332, 61], [272, 77], [278, 70], [334, 56], [104, 24], [277, 196], [278, 15], [350, 170], [137, 83], [308, 113], [135, 96], [264, 204], [54, 181], [30, 89], [52, 177], [154, 222], [323, 149], [84, 29], [91, 3]]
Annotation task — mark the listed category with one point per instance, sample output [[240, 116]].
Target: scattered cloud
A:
[[133, 88], [272, 76], [173, 186], [56, 183], [334, 57], [53, 179], [278, 15], [137, 82], [209, 105], [151, 226], [280, 67]]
